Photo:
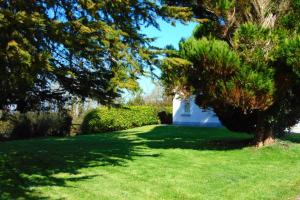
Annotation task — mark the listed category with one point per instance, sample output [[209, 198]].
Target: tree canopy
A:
[[243, 60], [53, 50]]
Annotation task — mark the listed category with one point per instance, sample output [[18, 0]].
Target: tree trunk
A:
[[264, 136]]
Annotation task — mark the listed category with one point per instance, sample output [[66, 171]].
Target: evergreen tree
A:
[[53, 50], [243, 60]]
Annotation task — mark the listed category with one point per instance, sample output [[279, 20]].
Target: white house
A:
[[186, 112]]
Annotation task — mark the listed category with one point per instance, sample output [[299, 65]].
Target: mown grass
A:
[[152, 162]]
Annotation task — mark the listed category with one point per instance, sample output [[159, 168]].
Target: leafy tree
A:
[[243, 60], [137, 99], [158, 97], [53, 50]]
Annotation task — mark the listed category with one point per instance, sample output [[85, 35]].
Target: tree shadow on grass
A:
[[31, 163], [168, 137], [26, 164]]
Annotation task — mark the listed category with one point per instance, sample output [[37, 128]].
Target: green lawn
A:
[[152, 162]]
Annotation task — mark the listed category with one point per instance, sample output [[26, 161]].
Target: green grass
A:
[[152, 162]]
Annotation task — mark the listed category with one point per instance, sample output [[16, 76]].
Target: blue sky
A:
[[167, 35]]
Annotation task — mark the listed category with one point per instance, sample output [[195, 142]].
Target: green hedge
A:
[[112, 119]]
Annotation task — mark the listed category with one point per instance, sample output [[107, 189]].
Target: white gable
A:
[[186, 112]]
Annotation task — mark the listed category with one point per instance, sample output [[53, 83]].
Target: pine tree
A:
[[53, 50], [243, 60]]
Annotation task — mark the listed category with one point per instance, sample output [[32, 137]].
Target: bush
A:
[[113, 119], [5, 129], [165, 117], [34, 124]]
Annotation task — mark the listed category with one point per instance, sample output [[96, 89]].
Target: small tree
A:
[[158, 96], [137, 99], [243, 60]]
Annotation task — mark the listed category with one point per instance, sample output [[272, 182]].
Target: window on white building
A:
[[187, 106]]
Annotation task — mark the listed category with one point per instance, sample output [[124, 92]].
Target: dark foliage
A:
[[32, 124], [165, 117]]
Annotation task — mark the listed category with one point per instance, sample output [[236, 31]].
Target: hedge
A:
[[112, 119]]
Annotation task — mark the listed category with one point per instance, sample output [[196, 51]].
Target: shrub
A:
[[165, 117], [34, 124], [112, 119], [5, 129]]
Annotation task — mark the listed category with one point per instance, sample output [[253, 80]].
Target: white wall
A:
[[196, 116], [296, 129]]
